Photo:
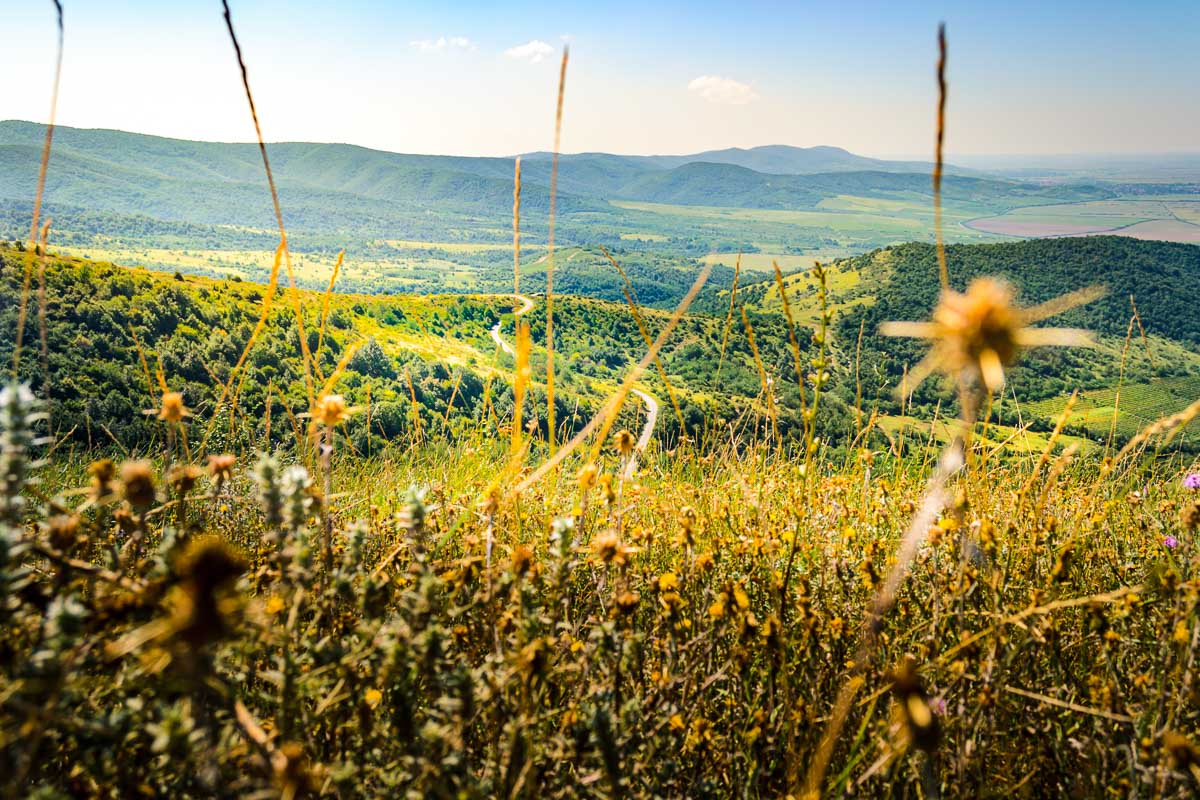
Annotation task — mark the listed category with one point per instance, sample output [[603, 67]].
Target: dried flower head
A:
[[977, 334], [206, 566], [184, 477], [624, 442], [922, 723], [137, 483], [627, 602], [522, 559], [62, 530], [103, 473], [220, 467]]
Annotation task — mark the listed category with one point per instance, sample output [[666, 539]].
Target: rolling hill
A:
[[339, 188]]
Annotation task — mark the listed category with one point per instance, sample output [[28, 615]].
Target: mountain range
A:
[[342, 188]]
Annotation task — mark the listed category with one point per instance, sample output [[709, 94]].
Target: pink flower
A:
[[1170, 542], [1192, 481]]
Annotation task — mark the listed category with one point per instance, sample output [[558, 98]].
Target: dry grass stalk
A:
[[562, 85]]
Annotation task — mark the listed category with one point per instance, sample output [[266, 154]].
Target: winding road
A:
[[526, 307], [647, 430], [650, 401]]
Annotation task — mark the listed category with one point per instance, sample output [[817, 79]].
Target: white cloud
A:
[[442, 43], [533, 51], [725, 91]]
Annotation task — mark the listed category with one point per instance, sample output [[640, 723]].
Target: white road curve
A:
[[651, 403], [647, 430], [499, 340], [526, 307]]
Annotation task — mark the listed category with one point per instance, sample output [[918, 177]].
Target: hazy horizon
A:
[[978, 160]]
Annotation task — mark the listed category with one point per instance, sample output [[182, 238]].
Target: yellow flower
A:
[[331, 410], [373, 697], [717, 610], [977, 334], [625, 441], [275, 604], [676, 722], [587, 477], [668, 582], [172, 408]]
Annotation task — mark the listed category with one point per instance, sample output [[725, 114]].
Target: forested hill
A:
[[1163, 278], [422, 363]]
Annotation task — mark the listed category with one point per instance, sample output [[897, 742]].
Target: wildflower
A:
[[608, 548], [587, 477], [676, 723], [207, 566], [184, 478], [220, 468], [331, 410], [171, 408], [668, 582], [977, 334], [270, 496], [610, 494], [373, 697], [103, 472], [63, 530], [297, 500], [275, 604], [522, 559], [1192, 481], [922, 722], [1182, 752], [627, 602], [1170, 542], [137, 482], [624, 442]]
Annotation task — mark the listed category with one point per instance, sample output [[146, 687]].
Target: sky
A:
[[471, 77]]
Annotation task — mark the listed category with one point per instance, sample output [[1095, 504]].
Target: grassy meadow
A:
[[772, 496]]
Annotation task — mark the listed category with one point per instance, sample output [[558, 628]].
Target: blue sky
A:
[[480, 77]]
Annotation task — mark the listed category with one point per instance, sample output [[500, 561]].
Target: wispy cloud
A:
[[725, 91], [442, 43], [532, 51]]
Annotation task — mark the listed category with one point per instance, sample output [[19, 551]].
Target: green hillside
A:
[[1162, 278], [198, 328], [103, 319]]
